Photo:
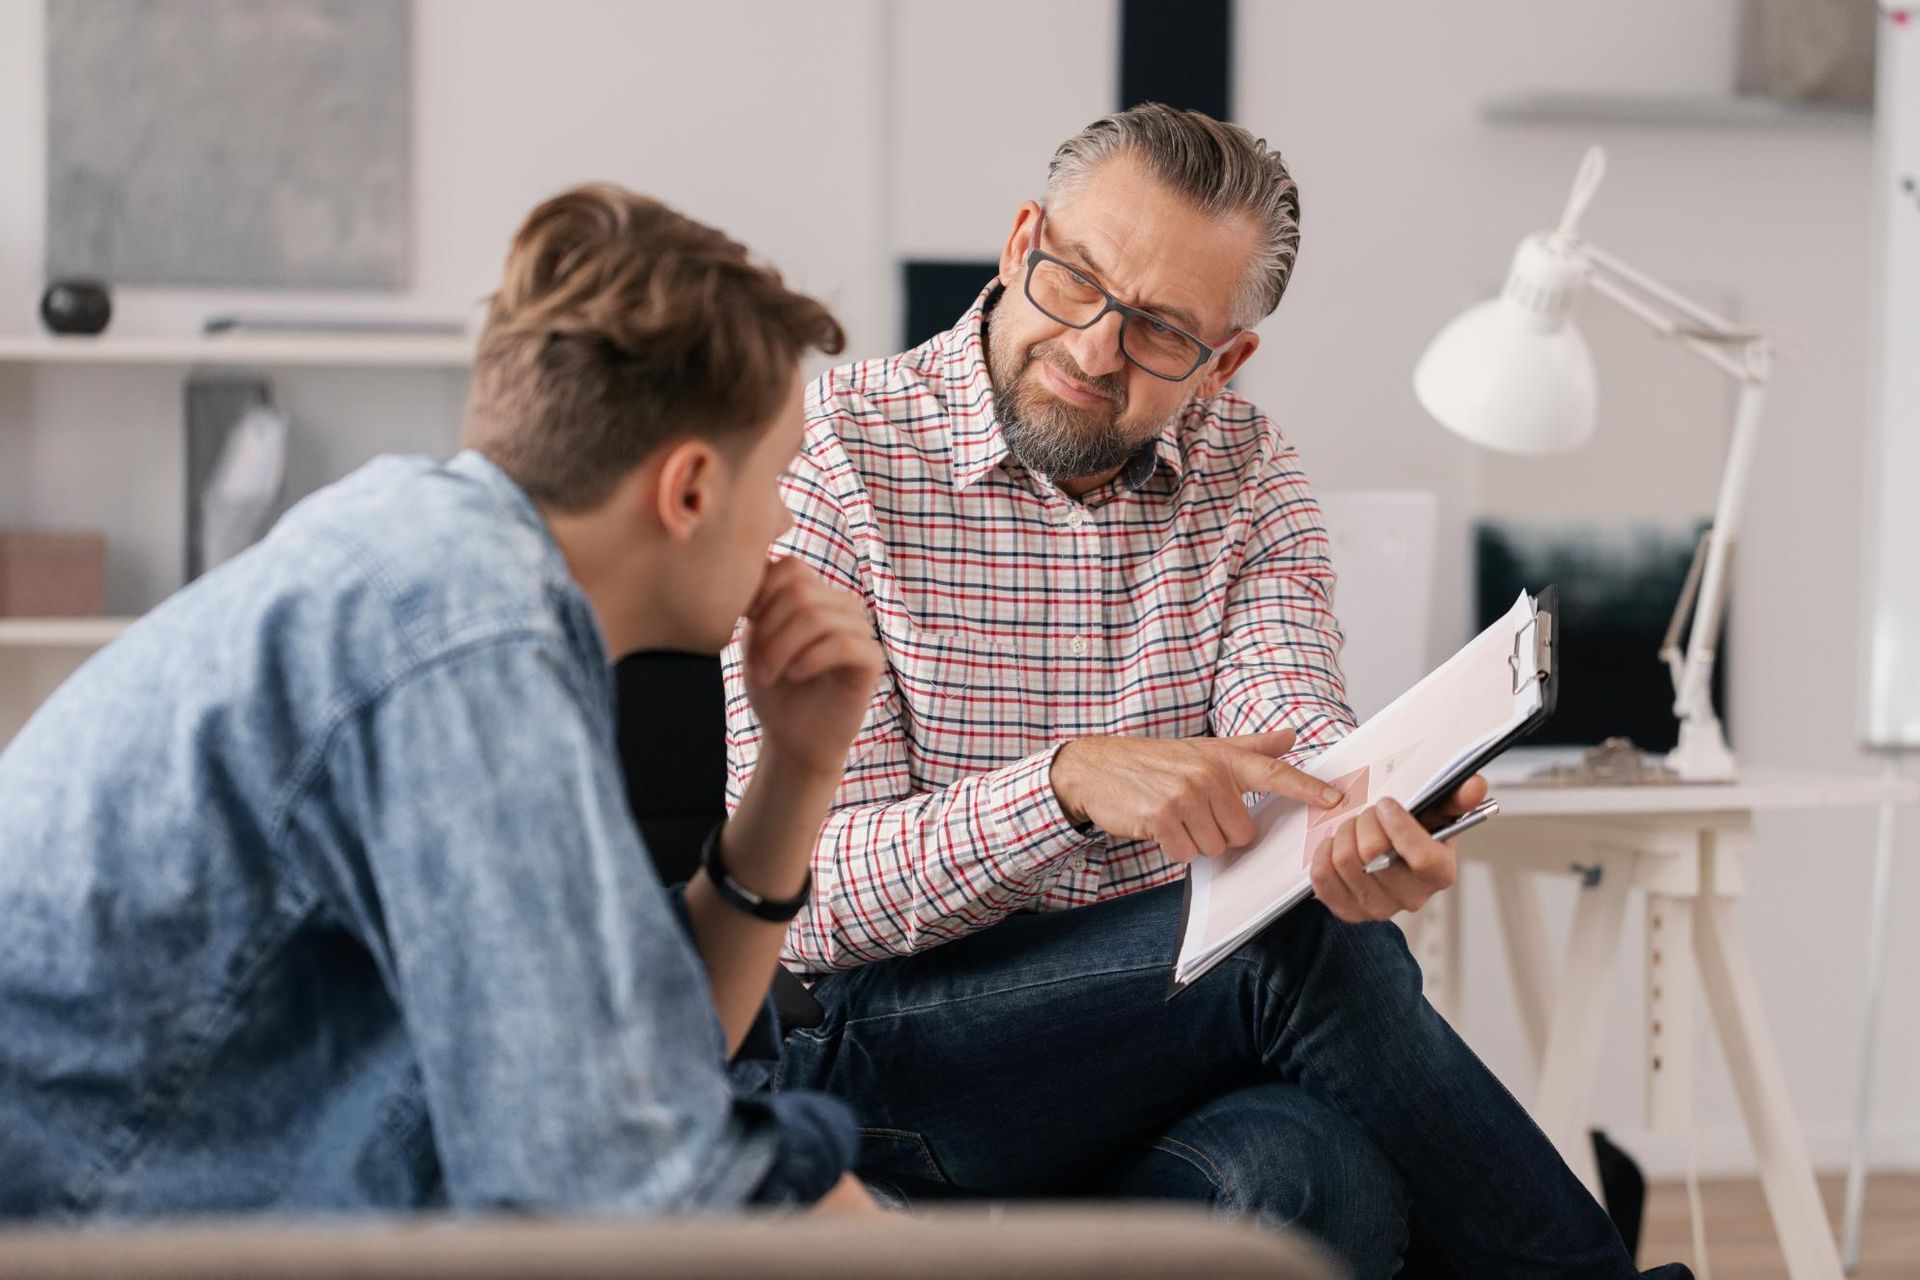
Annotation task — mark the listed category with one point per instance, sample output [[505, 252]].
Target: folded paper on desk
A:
[[1429, 740]]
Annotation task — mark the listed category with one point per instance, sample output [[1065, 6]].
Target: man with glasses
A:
[[1102, 586]]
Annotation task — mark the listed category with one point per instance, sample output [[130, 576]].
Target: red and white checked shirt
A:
[[1016, 619]]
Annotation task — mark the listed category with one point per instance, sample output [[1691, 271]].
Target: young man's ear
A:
[[686, 488]]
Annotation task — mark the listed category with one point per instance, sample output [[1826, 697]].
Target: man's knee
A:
[[1273, 1152]]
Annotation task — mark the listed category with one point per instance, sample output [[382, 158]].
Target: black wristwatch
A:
[[741, 898]]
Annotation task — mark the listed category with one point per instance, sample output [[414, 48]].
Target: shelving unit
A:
[[36, 654], [1701, 111], [60, 633], [241, 350]]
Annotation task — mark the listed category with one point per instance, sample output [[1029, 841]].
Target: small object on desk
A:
[[1464, 823], [76, 307], [1614, 763]]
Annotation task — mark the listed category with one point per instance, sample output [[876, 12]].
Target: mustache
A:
[[1113, 386]]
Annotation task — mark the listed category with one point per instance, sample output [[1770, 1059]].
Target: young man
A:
[[1103, 589], [319, 887]]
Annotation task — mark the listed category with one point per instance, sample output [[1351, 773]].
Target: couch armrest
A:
[[1110, 1242]]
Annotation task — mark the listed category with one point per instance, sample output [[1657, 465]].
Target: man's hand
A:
[[811, 666], [1423, 866], [849, 1195], [1182, 793]]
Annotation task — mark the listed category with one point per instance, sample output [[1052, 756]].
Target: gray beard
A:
[[1052, 441], [1050, 438]]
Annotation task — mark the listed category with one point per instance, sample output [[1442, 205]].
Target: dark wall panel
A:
[[1179, 52]]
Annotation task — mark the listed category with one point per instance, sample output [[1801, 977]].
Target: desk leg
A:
[[1440, 954], [1669, 1075], [1786, 1173], [1527, 956], [1573, 1038], [1869, 1033]]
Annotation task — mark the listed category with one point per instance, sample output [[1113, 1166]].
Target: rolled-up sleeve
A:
[[561, 1018]]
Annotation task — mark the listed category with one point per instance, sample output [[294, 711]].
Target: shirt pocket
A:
[[971, 703]]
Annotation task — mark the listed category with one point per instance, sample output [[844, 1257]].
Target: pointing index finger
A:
[[1255, 772]]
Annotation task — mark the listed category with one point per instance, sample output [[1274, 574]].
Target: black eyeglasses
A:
[[1064, 293]]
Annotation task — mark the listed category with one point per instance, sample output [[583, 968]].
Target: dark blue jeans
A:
[[1306, 1080]]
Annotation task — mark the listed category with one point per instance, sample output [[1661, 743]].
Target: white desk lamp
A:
[[1514, 374]]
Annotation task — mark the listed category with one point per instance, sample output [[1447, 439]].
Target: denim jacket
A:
[[319, 891]]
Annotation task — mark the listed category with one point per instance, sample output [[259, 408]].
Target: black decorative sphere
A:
[[76, 306]]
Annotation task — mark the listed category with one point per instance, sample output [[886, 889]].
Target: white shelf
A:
[[1673, 111], [250, 350], [60, 633]]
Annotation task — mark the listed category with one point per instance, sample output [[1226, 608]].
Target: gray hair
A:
[[1221, 168]]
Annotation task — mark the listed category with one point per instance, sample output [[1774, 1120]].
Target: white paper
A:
[[1406, 752]]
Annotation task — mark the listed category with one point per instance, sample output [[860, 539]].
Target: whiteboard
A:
[[1891, 716]]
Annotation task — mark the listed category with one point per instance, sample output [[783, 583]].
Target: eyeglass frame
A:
[[1036, 255]]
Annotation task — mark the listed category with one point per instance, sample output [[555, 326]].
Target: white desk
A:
[[1682, 847]]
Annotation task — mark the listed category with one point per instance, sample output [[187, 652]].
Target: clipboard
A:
[[1535, 657], [1532, 658]]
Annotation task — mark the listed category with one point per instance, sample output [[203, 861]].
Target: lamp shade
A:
[[1514, 374]]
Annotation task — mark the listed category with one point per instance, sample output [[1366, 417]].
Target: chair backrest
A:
[[1383, 554], [672, 719], [671, 713]]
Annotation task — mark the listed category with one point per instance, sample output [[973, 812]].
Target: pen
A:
[[1465, 822]]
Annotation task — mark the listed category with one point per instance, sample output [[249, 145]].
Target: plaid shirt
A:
[[1188, 597]]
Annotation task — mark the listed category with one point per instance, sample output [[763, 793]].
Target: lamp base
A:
[[1702, 755], [1614, 763]]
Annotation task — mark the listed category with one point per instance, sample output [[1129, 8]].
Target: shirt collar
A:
[[477, 466], [967, 389], [978, 445], [569, 598], [484, 471]]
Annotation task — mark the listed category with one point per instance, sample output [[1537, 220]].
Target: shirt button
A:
[[1079, 646], [1076, 517], [1078, 864]]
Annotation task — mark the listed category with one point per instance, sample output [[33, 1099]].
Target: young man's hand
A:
[[1184, 794], [811, 666], [1421, 868], [849, 1195]]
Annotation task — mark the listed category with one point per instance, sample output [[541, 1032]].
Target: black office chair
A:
[[671, 714]]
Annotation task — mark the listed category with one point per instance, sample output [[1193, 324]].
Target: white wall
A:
[[981, 95], [838, 137]]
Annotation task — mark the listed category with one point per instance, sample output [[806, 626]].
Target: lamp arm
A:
[[1670, 652], [1694, 696], [1708, 349], [1746, 356], [1678, 303]]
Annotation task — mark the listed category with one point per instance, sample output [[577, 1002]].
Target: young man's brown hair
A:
[[620, 325]]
